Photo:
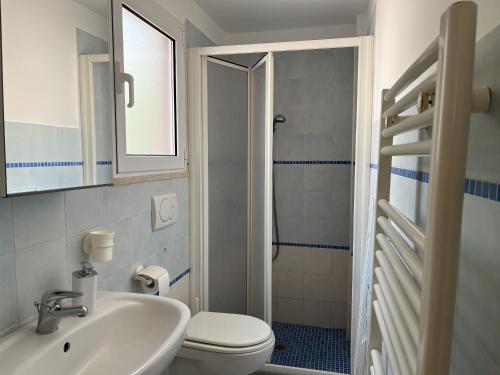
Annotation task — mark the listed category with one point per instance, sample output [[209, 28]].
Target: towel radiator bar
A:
[[415, 282]]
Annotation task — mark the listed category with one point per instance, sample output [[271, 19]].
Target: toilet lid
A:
[[229, 330]]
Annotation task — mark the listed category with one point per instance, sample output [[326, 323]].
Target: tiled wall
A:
[[41, 241], [42, 157], [313, 165], [476, 332]]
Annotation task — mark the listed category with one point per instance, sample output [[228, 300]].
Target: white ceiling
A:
[[241, 16]]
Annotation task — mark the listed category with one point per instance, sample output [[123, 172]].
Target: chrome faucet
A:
[[50, 311]]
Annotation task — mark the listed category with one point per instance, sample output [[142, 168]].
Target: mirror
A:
[[57, 97]]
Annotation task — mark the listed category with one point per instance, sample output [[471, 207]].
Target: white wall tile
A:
[[317, 313], [317, 287], [339, 288], [8, 292], [37, 219], [339, 262], [50, 229], [339, 315], [290, 203], [291, 284], [116, 203], [84, 209], [290, 259], [275, 283], [291, 310], [317, 261], [39, 269], [6, 235], [180, 290]]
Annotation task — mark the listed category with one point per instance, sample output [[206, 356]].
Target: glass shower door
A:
[[260, 231]]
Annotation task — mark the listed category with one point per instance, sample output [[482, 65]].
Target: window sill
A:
[[126, 179]]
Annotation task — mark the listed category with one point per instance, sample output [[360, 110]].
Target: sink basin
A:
[[127, 334]]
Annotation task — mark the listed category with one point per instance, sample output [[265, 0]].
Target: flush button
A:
[[163, 211]]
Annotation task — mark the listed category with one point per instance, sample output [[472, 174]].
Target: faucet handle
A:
[[57, 295]]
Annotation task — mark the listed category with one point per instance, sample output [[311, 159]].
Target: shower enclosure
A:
[[278, 119]]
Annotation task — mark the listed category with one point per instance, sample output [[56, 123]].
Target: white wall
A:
[[403, 29], [325, 32], [41, 78]]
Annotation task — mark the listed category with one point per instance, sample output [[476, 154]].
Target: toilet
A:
[[223, 344]]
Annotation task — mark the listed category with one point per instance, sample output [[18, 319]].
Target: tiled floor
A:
[[317, 348]]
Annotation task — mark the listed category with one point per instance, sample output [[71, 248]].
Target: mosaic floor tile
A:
[[325, 349]]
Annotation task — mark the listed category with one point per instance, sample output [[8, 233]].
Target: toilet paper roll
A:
[[154, 280]]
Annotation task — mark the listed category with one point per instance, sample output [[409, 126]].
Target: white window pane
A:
[[149, 58]]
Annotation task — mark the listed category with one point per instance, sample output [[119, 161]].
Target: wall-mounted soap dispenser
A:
[[85, 282]]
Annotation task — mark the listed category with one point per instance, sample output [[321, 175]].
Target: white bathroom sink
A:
[[127, 334]]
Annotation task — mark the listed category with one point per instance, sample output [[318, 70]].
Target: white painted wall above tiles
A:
[[41, 242], [53, 67]]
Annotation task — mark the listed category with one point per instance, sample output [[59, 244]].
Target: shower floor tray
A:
[[316, 348]]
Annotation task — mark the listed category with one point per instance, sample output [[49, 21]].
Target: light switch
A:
[[163, 211]]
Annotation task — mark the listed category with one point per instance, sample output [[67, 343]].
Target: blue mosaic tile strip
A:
[[44, 164], [312, 245], [51, 164], [312, 162], [483, 189], [316, 348], [177, 278], [104, 162]]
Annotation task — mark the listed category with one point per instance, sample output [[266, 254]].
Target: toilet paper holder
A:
[[150, 275]]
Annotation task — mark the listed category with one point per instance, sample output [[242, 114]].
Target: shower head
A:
[[278, 119]]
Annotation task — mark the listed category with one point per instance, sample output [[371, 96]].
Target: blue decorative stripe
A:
[[177, 278], [311, 245], [51, 164], [313, 162], [483, 189], [44, 164]]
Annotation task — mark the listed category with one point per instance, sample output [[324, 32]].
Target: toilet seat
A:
[[227, 333]]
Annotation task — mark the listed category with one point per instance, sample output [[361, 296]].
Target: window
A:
[[150, 126]]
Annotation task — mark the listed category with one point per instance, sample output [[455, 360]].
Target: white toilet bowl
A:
[[223, 344]]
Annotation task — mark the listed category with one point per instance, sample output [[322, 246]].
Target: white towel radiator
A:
[[415, 282]]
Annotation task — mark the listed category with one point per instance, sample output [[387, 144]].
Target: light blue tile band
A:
[[483, 189]]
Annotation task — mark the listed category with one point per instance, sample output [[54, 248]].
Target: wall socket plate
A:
[[163, 211]]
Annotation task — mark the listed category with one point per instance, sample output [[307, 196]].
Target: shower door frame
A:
[[198, 156]]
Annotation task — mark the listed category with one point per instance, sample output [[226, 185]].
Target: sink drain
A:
[[66, 347], [280, 347]]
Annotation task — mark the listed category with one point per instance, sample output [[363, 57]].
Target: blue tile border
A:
[[311, 245], [484, 189], [312, 162], [104, 162], [177, 278], [51, 164], [44, 164]]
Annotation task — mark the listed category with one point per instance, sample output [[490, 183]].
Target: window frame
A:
[[158, 18]]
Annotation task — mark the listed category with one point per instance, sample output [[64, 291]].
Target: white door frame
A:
[[87, 114], [197, 128]]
